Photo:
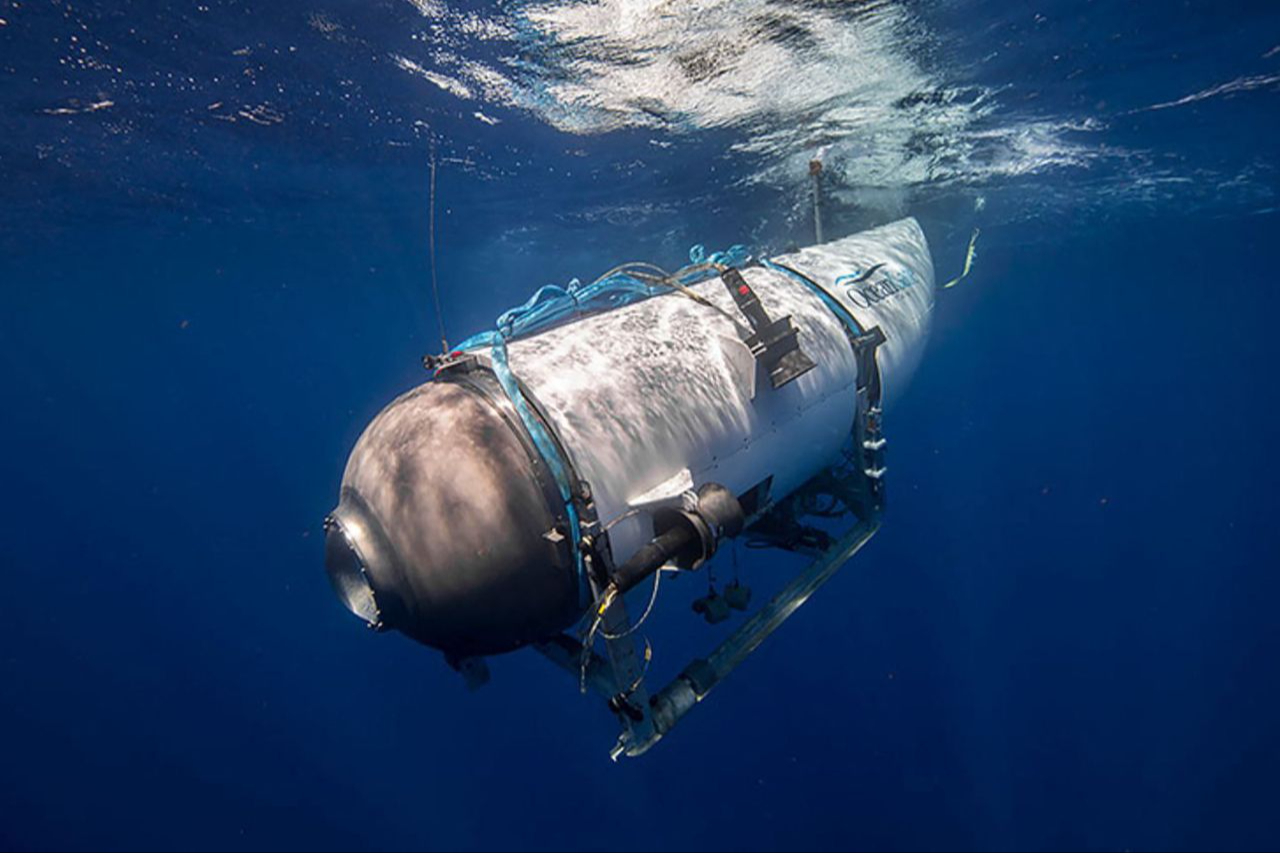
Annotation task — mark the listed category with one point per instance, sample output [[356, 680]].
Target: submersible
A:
[[606, 433]]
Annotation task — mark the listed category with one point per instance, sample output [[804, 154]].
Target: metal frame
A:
[[619, 676]]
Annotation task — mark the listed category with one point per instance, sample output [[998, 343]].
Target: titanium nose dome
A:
[[441, 527]]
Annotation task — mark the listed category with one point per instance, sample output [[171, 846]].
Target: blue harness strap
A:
[[546, 445], [851, 325], [549, 307]]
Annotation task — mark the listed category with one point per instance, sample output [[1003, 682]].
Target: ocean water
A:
[[215, 271]]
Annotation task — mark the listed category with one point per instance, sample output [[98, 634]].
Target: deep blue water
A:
[[1065, 633]]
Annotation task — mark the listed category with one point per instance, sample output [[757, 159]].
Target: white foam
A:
[[798, 81], [790, 82], [450, 85], [1240, 84]]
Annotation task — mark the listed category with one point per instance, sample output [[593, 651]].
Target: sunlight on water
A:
[[856, 84], [839, 81], [906, 104]]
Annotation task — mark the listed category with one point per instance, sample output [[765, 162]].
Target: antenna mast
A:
[[435, 285]]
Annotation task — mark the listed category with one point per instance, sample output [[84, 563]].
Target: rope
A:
[[623, 285]]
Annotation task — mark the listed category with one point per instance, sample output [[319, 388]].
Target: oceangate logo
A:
[[864, 291]]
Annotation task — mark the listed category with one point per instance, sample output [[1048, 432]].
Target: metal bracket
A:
[[700, 676], [567, 653], [691, 686], [774, 343], [619, 676], [630, 702]]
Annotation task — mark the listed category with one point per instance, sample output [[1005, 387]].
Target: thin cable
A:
[[674, 284], [673, 280], [648, 658], [631, 513], [653, 598], [633, 265], [435, 285], [598, 620], [589, 641]]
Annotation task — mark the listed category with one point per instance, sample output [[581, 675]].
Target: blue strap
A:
[[552, 305], [548, 307], [842, 313], [545, 445], [736, 255]]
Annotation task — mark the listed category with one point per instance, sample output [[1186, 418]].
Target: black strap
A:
[[774, 343], [864, 349]]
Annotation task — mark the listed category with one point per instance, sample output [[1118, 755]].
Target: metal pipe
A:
[[698, 679], [815, 172], [661, 550]]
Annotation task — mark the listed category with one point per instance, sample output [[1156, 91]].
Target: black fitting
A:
[[721, 511], [687, 538], [657, 553]]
